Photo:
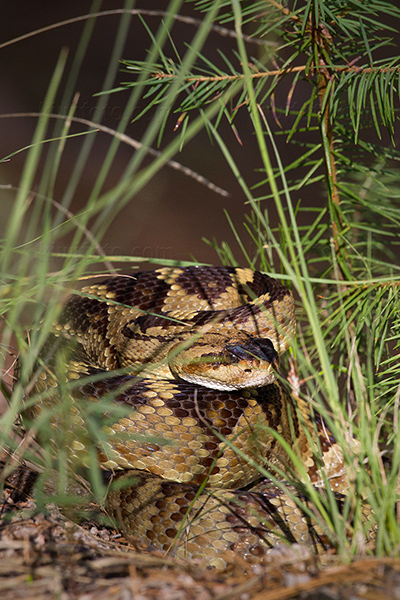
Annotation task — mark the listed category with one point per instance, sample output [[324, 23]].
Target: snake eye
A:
[[259, 348]]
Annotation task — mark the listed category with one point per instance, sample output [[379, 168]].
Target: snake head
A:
[[211, 361]]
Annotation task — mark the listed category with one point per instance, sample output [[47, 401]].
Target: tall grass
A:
[[344, 361]]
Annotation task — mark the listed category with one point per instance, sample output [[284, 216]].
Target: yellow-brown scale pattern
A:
[[222, 528], [198, 348]]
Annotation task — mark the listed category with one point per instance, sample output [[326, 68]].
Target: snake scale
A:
[[191, 354]]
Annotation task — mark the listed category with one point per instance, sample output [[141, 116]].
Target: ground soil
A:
[[45, 555]]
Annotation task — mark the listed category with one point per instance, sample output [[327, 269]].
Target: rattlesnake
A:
[[192, 354]]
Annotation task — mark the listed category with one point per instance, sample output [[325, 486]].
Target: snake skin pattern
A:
[[190, 355]]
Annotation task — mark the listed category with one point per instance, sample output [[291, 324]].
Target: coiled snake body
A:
[[191, 353]]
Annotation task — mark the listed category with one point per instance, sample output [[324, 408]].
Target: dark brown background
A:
[[168, 218]]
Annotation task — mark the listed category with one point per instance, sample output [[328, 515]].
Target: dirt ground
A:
[[44, 555]]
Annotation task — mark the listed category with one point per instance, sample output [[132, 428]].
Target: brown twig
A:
[[332, 69]]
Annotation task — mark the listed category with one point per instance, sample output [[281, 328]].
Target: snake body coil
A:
[[191, 354]]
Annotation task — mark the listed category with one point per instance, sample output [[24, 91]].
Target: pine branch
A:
[[160, 75]]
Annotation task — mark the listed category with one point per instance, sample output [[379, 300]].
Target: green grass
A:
[[341, 266]]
